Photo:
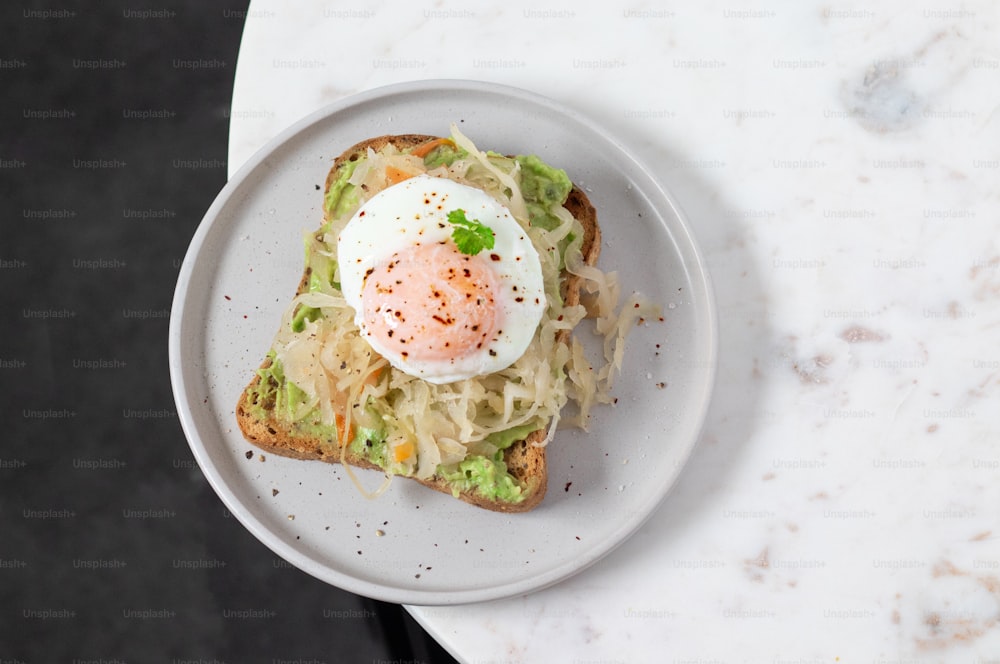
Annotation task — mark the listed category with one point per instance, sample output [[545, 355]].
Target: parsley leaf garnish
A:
[[470, 236]]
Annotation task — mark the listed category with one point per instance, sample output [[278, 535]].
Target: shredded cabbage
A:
[[517, 206], [342, 376]]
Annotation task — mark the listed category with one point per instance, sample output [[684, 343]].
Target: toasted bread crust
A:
[[526, 460]]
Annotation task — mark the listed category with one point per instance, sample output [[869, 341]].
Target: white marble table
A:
[[840, 165]]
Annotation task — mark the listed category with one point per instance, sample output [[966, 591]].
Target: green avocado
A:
[[486, 476], [303, 314], [443, 155], [370, 443], [504, 439], [341, 196], [544, 188], [321, 272], [322, 269], [542, 183], [272, 392]]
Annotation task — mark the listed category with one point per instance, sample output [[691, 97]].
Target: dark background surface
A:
[[113, 547]]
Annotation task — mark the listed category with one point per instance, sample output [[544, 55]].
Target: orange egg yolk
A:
[[431, 302]]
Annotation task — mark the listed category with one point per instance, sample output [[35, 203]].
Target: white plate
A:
[[414, 545]]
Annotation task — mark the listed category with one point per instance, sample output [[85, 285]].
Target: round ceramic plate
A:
[[413, 545]]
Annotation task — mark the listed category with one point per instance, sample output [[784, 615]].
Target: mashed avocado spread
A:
[[341, 195]]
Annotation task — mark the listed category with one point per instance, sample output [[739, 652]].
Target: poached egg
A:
[[432, 311]]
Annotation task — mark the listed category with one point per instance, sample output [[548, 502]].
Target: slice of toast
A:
[[525, 459]]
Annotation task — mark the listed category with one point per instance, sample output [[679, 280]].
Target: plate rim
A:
[[683, 237]]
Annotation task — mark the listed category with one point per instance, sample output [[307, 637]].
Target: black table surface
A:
[[113, 547]]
